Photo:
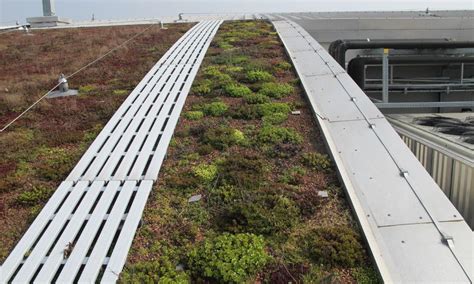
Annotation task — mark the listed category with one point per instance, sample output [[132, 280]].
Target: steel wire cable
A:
[[76, 72]]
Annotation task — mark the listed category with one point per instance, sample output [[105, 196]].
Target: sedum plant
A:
[[237, 90], [276, 90], [316, 161], [256, 99], [194, 115], [215, 108], [206, 173], [273, 134], [229, 258], [255, 76]]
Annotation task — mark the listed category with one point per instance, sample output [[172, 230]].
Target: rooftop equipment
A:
[[357, 69], [431, 83], [49, 18], [438, 73], [63, 89], [338, 48], [49, 8]]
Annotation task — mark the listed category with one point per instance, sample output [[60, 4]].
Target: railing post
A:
[[385, 75]]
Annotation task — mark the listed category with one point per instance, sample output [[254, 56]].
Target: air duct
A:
[[338, 48], [356, 67]]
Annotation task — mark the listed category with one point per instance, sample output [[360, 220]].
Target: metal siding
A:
[[454, 177]]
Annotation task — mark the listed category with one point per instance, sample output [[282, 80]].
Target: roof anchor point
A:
[[448, 240], [403, 173]]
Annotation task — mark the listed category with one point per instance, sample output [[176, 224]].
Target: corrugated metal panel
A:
[[89, 223], [405, 217], [454, 177], [446, 157]]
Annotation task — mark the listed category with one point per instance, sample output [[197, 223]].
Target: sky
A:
[[19, 10]]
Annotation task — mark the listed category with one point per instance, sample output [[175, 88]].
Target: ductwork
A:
[[356, 67], [338, 48]]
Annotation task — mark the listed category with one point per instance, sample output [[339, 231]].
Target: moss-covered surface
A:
[[258, 169], [40, 149]]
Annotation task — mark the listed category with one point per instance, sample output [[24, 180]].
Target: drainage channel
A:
[[414, 232], [84, 232]]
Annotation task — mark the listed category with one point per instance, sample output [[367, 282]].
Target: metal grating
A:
[[414, 232], [85, 230], [136, 138]]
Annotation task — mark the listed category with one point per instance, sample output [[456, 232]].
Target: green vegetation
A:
[[215, 108], [256, 111], [87, 89], [206, 173], [293, 176], [159, 271], [334, 246], [222, 137], [212, 72], [275, 118], [39, 150], [238, 136], [243, 171], [229, 258], [35, 196], [259, 76], [366, 275], [235, 70], [225, 45], [271, 108], [275, 134], [194, 115], [256, 99], [283, 65], [276, 90], [316, 161], [260, 218], [120, 92], [237, 90], [57, 163], [203, 88], [205, 149], [219, 78]]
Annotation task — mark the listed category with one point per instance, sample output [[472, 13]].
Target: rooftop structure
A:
[[414, 225], [49, 18]]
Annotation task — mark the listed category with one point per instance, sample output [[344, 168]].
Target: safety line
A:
[[75, 73]]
